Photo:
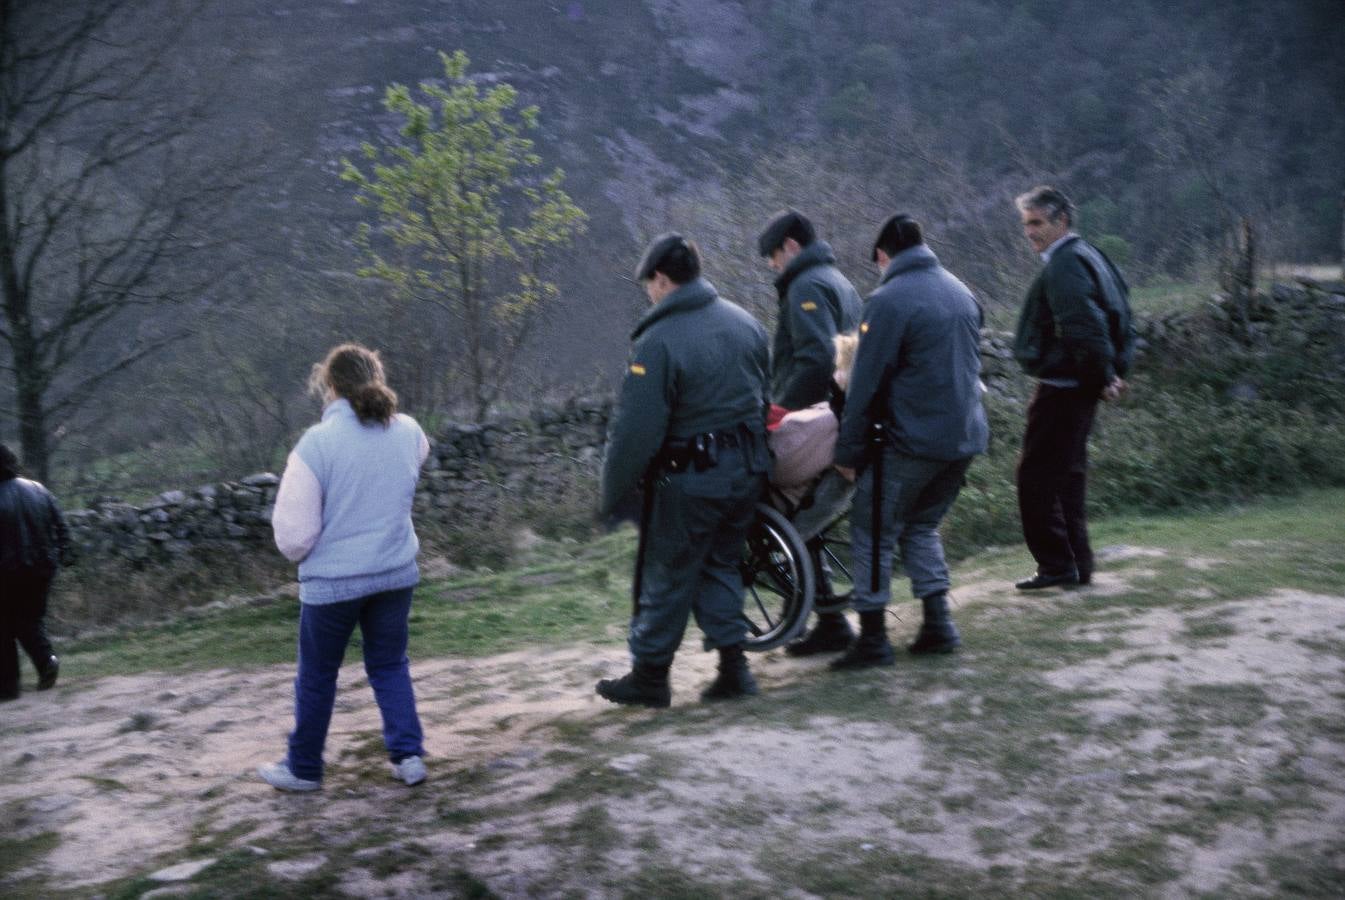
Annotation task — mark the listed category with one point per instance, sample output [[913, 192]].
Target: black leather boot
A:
[[643, 685], [734, 678], [937, 634], [46, 677], [832, 634], [871, 648]]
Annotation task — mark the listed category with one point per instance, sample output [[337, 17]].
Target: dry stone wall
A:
[[478, 473], [474, 472]]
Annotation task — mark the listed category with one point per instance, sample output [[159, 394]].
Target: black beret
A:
[[654, 253], [773, 235]]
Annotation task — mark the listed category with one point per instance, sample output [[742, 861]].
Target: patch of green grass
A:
[[1311, 870], [239, 873], [1293, 542], [1208, 809], [856, 869], [1209, 627], [463, 884], [668, 882], [394, 858], [1144, 861], [1162, 297], [15, 853], [587, 784], [554, 599], [1240, 705], [589, 835], [141, 721]]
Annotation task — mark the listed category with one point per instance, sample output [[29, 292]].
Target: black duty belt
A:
[[700, 451]]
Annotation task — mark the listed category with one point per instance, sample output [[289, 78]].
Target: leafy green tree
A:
[[467, 221]]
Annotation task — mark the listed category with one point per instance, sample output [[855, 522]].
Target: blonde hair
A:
[[356, 374], [847, 344]]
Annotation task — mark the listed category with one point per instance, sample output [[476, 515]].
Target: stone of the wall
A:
[[1304, 313]]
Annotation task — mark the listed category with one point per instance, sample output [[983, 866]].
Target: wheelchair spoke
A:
[[761, 606]]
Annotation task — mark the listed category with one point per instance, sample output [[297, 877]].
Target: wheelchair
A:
[[777, 567]]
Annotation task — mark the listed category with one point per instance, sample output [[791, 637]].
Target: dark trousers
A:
[[23, 618], [916, 495], [1053, 479], [692, 556], [324, 632]]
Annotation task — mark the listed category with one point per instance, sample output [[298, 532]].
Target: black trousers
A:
[[23, 614], [1053, 479]]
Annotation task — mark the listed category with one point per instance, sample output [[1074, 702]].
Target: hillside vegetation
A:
[[1168, 123]]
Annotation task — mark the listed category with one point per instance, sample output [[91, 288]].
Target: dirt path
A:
[[1192, 749]]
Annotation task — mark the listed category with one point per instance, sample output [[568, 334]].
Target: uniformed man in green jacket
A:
[[817, 302], [688, 431]]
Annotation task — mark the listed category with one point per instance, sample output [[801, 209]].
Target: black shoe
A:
[[932, 640], [643, 685], [1039, 581], [1085, 577], [46, 679], [937, 632], [866, 651], [832, 634], [9, 694], [734, 678]]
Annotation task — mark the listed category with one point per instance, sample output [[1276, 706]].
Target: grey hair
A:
[[1051, 201]]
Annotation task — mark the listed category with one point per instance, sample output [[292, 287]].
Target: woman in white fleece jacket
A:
[[343, 512]]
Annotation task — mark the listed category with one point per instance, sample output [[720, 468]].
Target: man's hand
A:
[[846, 472], [1114, 390]]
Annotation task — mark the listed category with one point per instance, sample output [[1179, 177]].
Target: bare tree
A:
[[101, 199]]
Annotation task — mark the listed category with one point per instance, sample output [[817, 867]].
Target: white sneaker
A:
[[279, 776], [410, 770]]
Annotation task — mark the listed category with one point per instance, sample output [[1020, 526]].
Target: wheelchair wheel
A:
[[778, 576]]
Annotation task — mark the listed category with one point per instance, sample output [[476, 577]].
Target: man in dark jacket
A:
[[817, 303], [1072, 337], [33, 541], [913, 421], [689, 429]]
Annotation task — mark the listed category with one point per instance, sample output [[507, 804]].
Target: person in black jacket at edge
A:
[[689, 429], [1065, 339], [817, 303], [913, 422], [33, 541]]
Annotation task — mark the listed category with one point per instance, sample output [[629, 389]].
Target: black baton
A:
[[646, 513], [878, 439]]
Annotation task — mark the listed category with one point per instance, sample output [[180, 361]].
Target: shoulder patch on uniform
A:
[[863, 327], [807, 306], [636, 369]]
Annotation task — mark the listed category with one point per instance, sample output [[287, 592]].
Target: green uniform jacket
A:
[[698, 363], [817, 302], [1063, 330]]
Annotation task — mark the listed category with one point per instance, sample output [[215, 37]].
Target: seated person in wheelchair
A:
[[806, 488], [803, 441]]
